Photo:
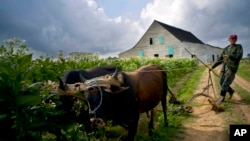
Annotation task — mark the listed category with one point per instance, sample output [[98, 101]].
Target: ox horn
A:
[[115, 74], [82, 78], [61, 84]]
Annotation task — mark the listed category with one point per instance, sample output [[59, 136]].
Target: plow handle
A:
[[210, 69]]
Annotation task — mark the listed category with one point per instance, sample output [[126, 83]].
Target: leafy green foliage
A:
[[29, 107], [14, 73]]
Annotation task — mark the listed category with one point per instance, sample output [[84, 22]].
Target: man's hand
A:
[[225, 57]]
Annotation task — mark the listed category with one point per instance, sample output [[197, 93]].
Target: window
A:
[[170, 50], [156, 55], [161, 40], [151, 41], [141, 53]]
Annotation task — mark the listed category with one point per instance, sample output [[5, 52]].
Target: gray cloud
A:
[[210, 20], [49, 26]]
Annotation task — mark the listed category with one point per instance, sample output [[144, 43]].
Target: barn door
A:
[[170, 51]]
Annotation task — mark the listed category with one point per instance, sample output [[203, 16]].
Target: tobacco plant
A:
[[28, 106]]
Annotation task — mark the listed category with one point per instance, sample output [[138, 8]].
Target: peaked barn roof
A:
[[180, 34]]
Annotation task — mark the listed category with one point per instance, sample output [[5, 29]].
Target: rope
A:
[[93, 111], [165, 69], [203, 63]]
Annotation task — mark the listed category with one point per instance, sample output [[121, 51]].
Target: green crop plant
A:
[[15, 74], [28, 110]]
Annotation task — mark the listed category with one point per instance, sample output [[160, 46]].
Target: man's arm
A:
[[238, 55], [218, 62]]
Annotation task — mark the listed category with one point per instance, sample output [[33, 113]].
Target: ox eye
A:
[[91, 89]]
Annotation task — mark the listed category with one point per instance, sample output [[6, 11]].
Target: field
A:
[[30, 107]]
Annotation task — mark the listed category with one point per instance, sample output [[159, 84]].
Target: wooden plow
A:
[[216, 103]]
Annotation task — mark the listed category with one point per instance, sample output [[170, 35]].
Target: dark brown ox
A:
[[121, 97]]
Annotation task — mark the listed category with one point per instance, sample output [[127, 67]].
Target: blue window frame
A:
[[161, 39], [141, 52], [170, 50]]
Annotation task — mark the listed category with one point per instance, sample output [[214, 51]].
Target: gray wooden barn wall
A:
[[203, 51]]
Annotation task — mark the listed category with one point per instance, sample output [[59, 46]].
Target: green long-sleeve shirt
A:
[[235, 54]]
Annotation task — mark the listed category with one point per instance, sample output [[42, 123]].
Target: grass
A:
[[186, 90], [243, 72], [245, 95], [244, 69]]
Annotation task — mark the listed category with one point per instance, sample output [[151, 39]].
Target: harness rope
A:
[[165, 69], [96, 108]]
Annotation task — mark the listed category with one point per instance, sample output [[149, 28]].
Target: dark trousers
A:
[[226, 80]]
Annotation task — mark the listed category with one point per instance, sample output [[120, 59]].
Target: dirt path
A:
[[243, 83], [237, 99], [208, 125]]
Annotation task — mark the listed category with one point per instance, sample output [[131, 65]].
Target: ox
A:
[[68, 101], [122, 96]]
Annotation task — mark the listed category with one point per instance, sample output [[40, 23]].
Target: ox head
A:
[[111, 83], [98, 91]]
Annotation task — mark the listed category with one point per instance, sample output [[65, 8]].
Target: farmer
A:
[[230, 58]]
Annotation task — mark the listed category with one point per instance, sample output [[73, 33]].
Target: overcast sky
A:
[[113, 26]]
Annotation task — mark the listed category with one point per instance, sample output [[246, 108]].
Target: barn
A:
[[162, 40]]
